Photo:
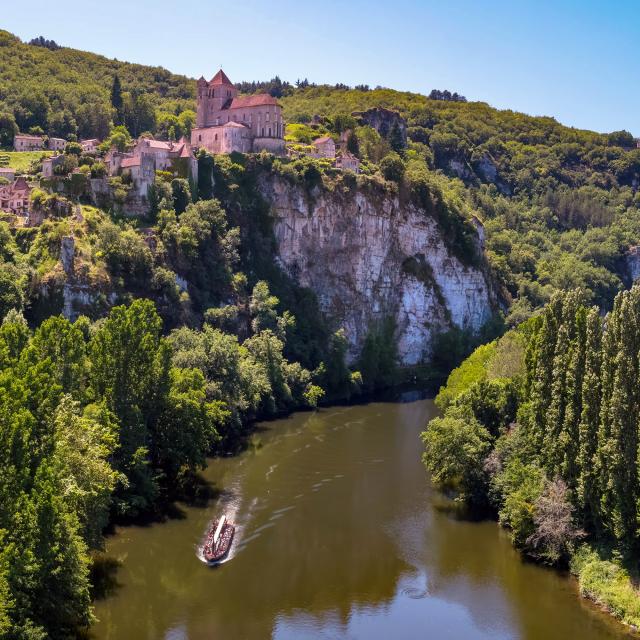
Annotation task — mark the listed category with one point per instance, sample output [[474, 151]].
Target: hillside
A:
[[66, 91], [560, 205]]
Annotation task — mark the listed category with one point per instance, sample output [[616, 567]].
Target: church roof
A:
[[221, 78], [252, 101]]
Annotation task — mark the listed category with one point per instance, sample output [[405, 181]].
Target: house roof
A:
[[235, 125], [7, 170], [131, 162], [322, 140], [258, 100], [28, 135], [20, 184], [221, 78]]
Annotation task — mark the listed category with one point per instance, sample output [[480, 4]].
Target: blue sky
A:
[[576, 61]]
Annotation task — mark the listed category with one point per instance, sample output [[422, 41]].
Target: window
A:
[[216, 136], [267, 118], [199, 137], [269, 131], [263, 132]]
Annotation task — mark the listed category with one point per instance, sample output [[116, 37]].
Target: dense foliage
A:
[[542, 425], [66, 92], [107, 420]]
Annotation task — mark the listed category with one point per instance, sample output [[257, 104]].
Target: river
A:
[[339, 535]]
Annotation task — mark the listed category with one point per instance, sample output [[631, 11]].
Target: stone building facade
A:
[[25, 142], [226, 122], [14, 197]]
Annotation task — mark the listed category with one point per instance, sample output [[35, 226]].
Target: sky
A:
[[578, 61]]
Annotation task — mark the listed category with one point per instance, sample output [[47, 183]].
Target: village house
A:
[[226, 122], [25, 142], [49, 165], [90, 146], [323, 147], [14, 197], [57, 144], [347, 161], [149, 156]]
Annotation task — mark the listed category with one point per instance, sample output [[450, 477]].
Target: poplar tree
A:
[[569, 441], [116, 99], [587, 487]]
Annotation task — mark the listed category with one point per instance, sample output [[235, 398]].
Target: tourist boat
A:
[[218, 540]]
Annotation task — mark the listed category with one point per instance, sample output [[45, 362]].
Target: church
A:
[[226, 122]]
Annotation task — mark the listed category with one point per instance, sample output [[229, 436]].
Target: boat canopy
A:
[[216, 535]]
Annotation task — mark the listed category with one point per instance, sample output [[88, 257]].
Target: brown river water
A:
[[339, 535]]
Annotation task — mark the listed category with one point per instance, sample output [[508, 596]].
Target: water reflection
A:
[[338, 537]]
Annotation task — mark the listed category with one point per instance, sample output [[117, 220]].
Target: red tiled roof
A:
[[159, 144], [221, 78], [253, 101], [20, 184], [130, 162], [322, 140]]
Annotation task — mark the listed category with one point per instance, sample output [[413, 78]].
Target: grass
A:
[[607, 583], [21, 160]]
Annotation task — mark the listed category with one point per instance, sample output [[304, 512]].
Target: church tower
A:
[[213, 97]]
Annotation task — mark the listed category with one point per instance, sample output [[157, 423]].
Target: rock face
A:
[[369, 257], [633, 263]]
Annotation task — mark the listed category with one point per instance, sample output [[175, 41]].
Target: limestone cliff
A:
[[368, 257]]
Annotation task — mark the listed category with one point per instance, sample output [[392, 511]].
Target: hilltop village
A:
[[120, 171]]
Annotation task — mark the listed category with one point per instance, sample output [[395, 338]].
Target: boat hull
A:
[[214, 551]]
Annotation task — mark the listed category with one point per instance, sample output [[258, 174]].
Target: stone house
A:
[[323, 147], [149, 156], [219, 104], [57, 144], [49, 165], [14, 197], [25, 142], [347, 161], [90, 146]]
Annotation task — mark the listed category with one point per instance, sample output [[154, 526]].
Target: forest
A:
[[541, 428]]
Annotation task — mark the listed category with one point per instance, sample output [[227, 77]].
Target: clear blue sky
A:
[[578, 61]]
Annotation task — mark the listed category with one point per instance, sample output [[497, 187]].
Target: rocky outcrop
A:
[[633, 263], [368, 257]]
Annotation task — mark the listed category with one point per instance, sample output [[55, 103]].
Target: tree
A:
[[181, 195], [8, 130], [84, 445], [130, 373], [116, 98], [392, 167], [587, 487], [555, 532], [455, 448]]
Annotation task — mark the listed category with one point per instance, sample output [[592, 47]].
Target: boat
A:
[[218, 540]]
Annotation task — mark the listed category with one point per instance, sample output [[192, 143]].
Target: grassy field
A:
[[21, 160]]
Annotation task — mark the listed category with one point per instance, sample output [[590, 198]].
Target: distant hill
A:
[[67, 91]]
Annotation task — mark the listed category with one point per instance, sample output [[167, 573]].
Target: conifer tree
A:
[[116, 99]]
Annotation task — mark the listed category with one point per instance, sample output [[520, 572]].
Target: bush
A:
[[392, 167]]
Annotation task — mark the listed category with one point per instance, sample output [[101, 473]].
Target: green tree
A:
[[116, 98], [8, 130]]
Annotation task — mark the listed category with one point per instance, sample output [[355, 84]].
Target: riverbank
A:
[[607, 583]]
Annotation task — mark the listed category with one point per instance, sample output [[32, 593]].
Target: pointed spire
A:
[[221, 78]]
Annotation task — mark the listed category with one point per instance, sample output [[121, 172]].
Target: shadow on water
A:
[[104, 580]]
